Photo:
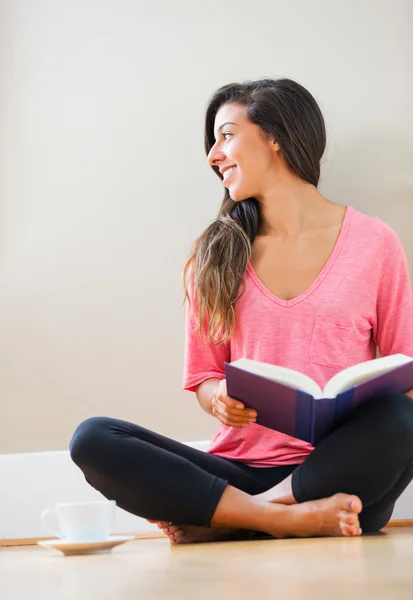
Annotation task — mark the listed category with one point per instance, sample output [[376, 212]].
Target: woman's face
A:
[[243, 155]]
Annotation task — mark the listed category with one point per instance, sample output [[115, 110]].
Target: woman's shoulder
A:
[[373, 229]]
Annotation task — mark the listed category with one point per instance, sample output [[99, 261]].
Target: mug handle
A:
[[48, 518]]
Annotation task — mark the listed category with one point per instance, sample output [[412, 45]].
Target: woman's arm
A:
[[204, 393], [212, 396], [394, 326], [204, 361]]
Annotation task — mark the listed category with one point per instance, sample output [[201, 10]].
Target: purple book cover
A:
[[279, 407], [396, 381], [298, 414]]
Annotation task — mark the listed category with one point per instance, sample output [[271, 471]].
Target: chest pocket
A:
[[331, 343]]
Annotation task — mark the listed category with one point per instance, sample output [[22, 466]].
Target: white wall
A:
[[104, 184]]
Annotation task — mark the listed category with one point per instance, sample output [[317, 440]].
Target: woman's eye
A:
[[225, 134]]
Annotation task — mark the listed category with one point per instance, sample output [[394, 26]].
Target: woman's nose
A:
[[215, 156]]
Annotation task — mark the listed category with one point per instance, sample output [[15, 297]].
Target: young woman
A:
[[284, 276]]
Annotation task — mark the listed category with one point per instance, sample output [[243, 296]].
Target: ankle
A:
[[276, 498], [273, 517]]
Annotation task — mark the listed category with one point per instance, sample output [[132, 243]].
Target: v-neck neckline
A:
[[320, 277]]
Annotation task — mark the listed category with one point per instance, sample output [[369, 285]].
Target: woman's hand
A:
[[229, 411]]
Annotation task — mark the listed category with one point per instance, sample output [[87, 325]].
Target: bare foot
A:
[[334, 516], [190, 534]]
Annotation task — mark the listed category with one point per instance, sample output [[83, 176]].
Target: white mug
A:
[[80, 521]]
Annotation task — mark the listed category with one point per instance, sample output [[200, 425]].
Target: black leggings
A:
[[149, 475]]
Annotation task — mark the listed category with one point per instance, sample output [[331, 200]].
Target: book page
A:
[[364, 371], [283, 375]]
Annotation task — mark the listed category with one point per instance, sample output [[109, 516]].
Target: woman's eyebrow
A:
[[226, 123]]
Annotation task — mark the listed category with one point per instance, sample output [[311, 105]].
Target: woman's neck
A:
[[291, 207]]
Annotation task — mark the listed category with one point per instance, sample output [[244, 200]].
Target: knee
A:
[[86, 441]]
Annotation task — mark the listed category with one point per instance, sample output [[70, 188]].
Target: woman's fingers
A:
[[230, 416], [234, 407], [230, 411]]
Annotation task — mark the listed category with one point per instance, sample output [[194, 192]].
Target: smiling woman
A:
[[283, 276], [259, 136]]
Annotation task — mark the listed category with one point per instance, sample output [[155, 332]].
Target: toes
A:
[[349, 523], [349, 518], [349, 530], [177, 537], [349, 503], [172, 531], [346, 530], [355, 505]]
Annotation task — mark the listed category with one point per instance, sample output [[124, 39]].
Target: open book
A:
[[292, 403]]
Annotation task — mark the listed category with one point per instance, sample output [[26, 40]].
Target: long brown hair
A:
[[287, 112]]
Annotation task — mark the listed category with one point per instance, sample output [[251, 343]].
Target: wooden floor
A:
[[371, 567]]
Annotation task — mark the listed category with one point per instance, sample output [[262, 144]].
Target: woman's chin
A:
[[236, 196]]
